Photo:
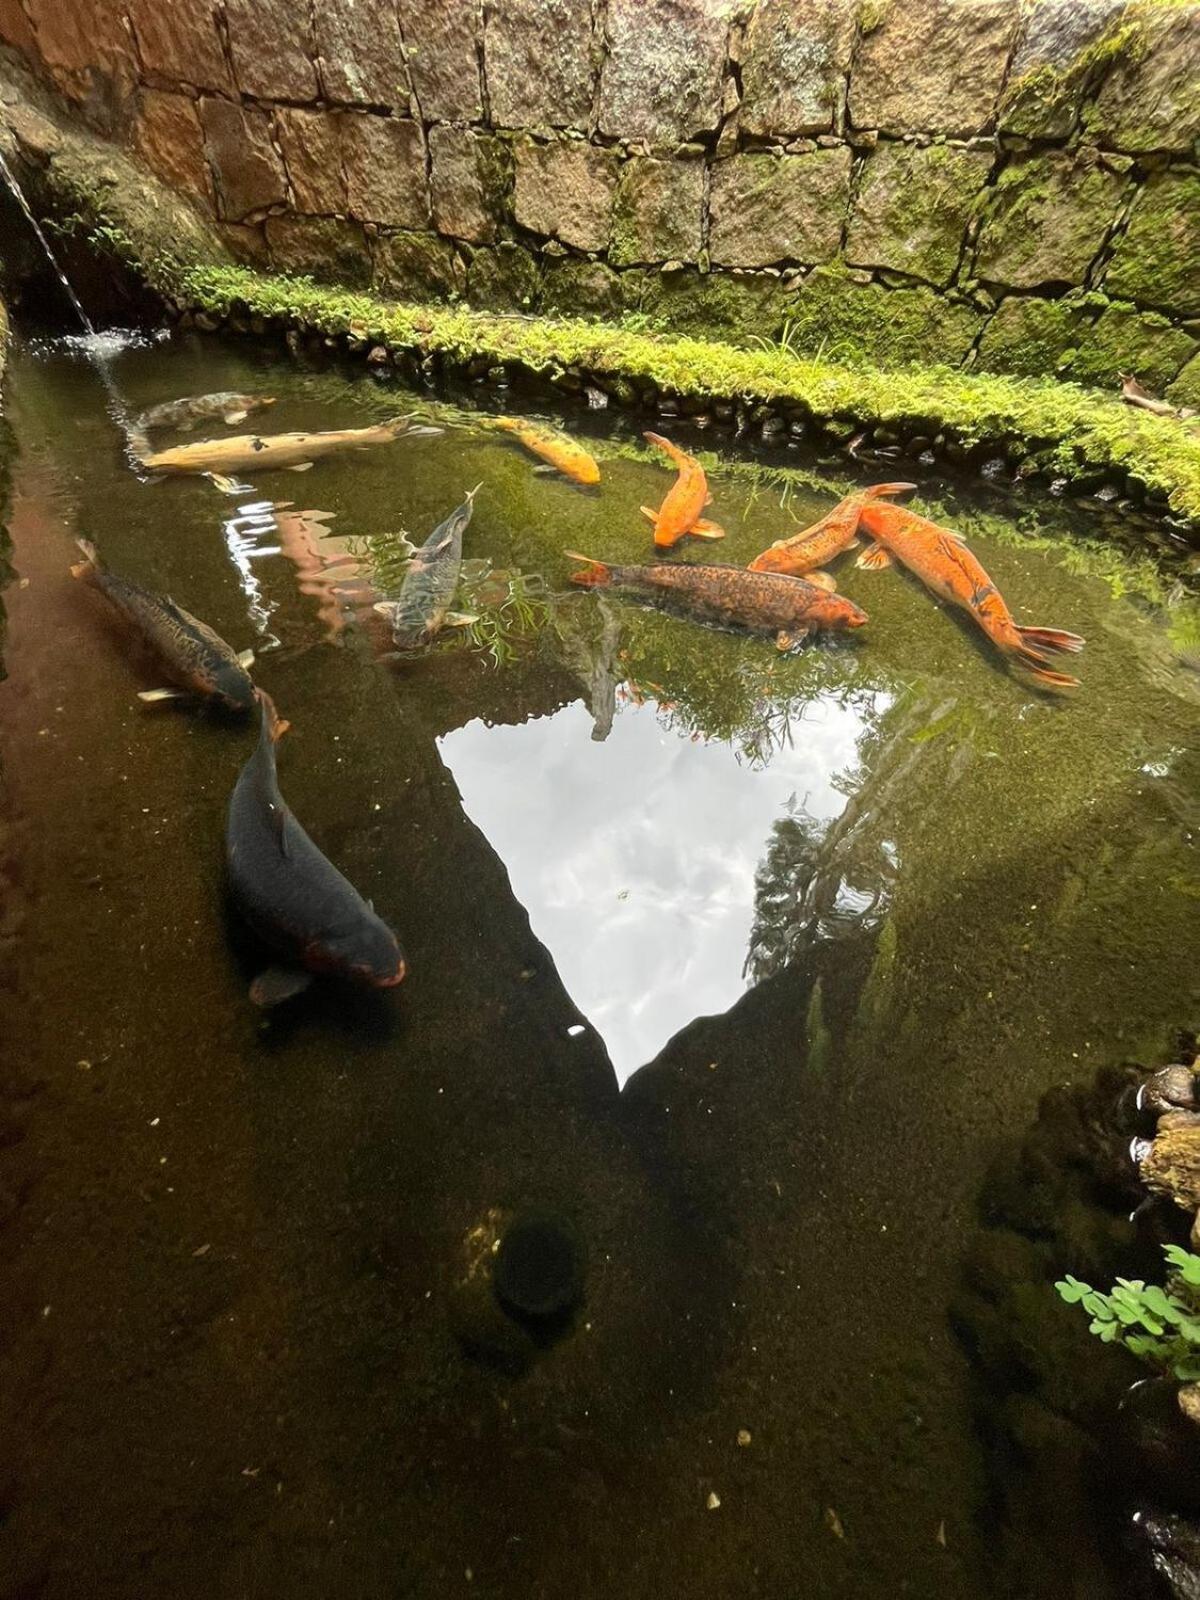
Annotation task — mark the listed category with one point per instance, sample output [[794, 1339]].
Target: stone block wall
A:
[[1011, 183]]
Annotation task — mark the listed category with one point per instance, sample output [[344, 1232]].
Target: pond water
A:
[[746, 963]]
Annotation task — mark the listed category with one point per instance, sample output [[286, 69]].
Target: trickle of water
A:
[[91, 344], [18, 194]]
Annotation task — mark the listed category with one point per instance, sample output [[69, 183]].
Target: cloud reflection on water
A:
[[636, 858]]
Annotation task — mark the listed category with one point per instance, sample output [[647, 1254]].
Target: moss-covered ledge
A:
[[1061, 427]]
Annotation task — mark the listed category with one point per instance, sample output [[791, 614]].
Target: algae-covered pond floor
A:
[[752, 989]]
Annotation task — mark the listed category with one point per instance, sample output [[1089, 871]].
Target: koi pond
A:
[[740, 966]]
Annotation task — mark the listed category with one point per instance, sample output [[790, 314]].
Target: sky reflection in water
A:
[[636, 858]]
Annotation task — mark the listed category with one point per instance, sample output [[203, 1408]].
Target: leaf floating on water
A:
[[834, 1523]]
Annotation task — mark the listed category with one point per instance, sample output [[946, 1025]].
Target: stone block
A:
[[539, 61], [170, 140], [766, 208], [440, 38], [1124, 339], [1051, 64], [384, 162], [1185, 391], [468, 182], [246, 169], [15, 27], [89, 52], [507, 278], [936, 67], [736, 308], [589, 289], [311, 144], [794, 66], [359, 53], [565, 190], [1046, 219], [1155, 263], [657, 211], [1033, 337], [1150, 98], [662, 78], [180, 42], [325, 248], [417, 266], [913, 207], [846, 320], [246, 243], [272, 49]]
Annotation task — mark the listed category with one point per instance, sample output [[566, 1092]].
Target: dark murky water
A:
[[752, 988]]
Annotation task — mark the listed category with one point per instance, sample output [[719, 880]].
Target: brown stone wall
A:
[[1012, 182]]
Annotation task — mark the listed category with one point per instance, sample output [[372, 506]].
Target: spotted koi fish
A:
[[762, 602]]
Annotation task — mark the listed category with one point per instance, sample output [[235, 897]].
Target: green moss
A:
[[589, 288], [1068, 427], [419, 265], [506, 278], [1128, 340], [1033, 337], [1185, 391], [1154, 263], [833, 315], [740, 309]]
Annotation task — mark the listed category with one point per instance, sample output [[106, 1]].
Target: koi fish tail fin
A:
[[1048, 678], [1033, 662], [888, 491], [595, 574], [1052, 639], [276, 725], [90, 563]]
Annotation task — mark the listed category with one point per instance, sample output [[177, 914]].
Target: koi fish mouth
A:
[[392, 979]]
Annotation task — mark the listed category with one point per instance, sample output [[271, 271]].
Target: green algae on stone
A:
[[506, 278], [845, 320], [416, 265], [329, 248], [1047, 218], [1126, 340], [1185, 391], [657, 211], [575, 288], [1155, 262], [739, 308], [913, 206], [1032, 337]]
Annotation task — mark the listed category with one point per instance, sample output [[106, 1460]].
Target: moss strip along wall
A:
[[991, 182]]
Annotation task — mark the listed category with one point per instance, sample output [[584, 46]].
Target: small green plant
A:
[[1159, 1325]]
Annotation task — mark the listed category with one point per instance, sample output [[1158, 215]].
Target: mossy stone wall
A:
[[1007, 183]]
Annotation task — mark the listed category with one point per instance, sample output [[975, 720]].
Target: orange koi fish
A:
[[562, 453], [941, 560], [679, 513], [803, 553]]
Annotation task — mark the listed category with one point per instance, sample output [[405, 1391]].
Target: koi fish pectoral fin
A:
[[301, 466], [874, 560], [154, 697], [277, 984], [246, 658], [787, 639], [651, 516], [702, 528], [459, 619], [231, 417], [823, 580]]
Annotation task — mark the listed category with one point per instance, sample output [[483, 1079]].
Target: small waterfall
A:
[[134, 440]]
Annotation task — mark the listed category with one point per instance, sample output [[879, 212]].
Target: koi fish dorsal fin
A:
[[874, 560]]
